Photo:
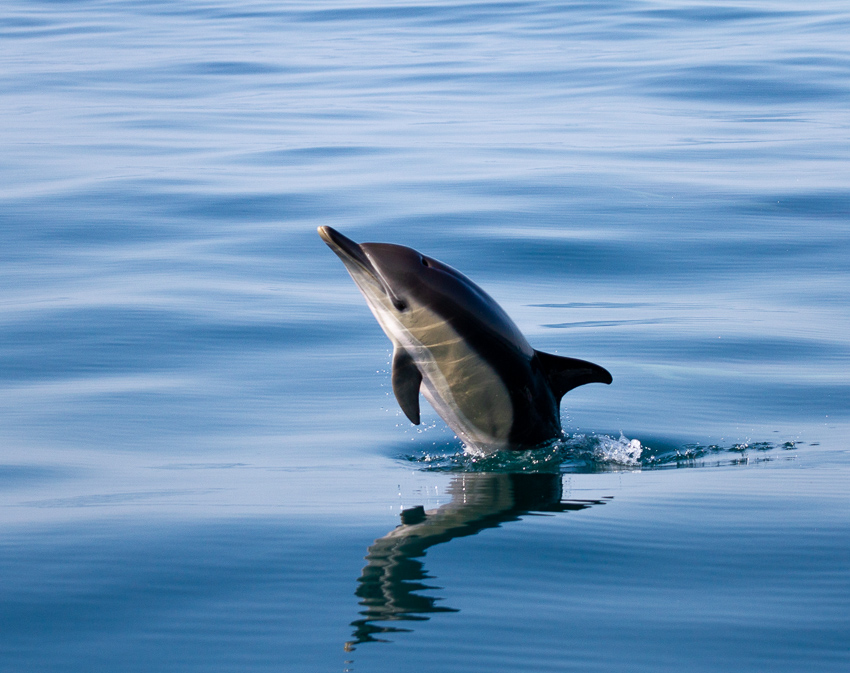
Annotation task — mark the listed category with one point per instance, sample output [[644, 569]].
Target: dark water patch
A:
[[82, 219], [16, 476], [661, 258], [813, 400], [20, 26], [219, 596], [619, 323], [260, 207], [112, 500], [421, 14], [201, 466], [740, 85], [574, 79], [498, 250], [27, 29], [827, 61], [720, 151], [309, 155], [148, 81], [711, 345], [710, 14], [230, 68], [569, 187], [683, 251], [610, 305], [829, 205], [101, 216], [764, 349], [69, 343]]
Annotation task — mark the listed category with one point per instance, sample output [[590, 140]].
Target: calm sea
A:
[[202, 467]]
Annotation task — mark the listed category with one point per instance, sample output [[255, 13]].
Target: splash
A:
[[584, 452], [593, 452], [606, 449], [692, 455]]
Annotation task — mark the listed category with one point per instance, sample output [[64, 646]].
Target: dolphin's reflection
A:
[[389, 581]]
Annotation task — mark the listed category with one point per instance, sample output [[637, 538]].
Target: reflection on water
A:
[[393, 575]]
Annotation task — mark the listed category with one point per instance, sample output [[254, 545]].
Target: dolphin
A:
[[456, 345]]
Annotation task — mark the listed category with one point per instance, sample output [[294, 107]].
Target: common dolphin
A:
[[455, 343]]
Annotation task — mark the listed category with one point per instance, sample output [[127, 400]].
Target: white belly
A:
[[461, 386]]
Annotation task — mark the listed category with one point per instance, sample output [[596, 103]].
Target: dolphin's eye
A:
[[400, 305]]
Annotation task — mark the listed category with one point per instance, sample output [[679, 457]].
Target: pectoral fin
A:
[[564, 374], [406, 380]]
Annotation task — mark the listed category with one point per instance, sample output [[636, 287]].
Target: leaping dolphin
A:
[[453, 342]]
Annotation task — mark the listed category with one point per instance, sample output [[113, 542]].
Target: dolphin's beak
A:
[[356, 259], [346, 249]]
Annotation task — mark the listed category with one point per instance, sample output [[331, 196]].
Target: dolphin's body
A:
[[455, 343]]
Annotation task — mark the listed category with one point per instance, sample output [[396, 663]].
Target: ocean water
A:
[[203, 467]]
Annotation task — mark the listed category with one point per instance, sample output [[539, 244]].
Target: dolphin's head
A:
[[380, 275], [401, 283]]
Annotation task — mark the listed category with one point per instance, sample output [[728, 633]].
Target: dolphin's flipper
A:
[[406, 380], [564, 374]]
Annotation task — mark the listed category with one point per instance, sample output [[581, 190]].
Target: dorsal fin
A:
[[406, 381], [564, 374]]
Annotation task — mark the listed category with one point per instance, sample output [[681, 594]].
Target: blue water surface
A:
[[203, 465]]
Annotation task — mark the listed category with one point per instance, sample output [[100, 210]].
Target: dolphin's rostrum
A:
[[456, 345]]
